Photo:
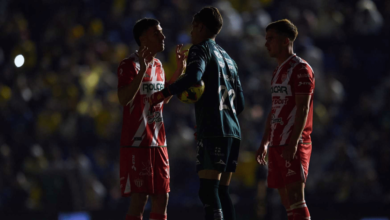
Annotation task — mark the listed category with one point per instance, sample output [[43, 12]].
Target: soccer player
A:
[[144, 163], [218, 130], [290, 122]]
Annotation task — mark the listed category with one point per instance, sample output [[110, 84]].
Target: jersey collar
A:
[[293, 55]]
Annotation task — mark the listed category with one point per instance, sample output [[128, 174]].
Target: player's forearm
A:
[[267, 129], [299, 124], [127, 93], [191, 77]]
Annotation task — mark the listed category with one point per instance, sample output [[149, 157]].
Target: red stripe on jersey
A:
[[142, 127], [293, 77]]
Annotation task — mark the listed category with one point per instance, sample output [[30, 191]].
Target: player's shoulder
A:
[[157, 61], [301, 64], [199, 47], [131, 61]]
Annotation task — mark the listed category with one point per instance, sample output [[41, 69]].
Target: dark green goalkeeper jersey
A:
[[223, 100]]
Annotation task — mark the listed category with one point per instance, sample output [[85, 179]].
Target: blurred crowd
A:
[[60, 119]]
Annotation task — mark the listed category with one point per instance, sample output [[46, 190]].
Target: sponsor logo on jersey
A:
[[154, 117], [149, 87], [304, 83], [279, 102], [276, 120], [281, 90], [138, 182], [133, 162]]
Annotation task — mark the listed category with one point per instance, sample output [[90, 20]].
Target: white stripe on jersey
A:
[[287, 128], [153, 75], [141, 128], [280, 68]]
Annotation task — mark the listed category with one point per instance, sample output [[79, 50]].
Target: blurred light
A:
[[74, 216], [5, 92], [19, 60]]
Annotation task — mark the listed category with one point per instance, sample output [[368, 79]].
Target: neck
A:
[[153, 52], [205, 38], [284, 56]]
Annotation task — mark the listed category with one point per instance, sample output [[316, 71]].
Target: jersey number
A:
[[225, 95]]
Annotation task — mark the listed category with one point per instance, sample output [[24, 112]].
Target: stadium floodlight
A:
[[19, 60]]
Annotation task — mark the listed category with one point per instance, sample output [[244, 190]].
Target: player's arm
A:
[[240, 94], [240, 102], [262, 151], [181, 64], [129, 85], [303, 83], [194, 72], [303, 105]]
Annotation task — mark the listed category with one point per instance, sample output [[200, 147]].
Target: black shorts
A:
[[219, 154]]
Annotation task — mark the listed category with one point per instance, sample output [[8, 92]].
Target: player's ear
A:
[[143, 39], [286, 41], [201, 27]]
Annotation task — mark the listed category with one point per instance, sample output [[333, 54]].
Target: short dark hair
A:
[[284, 27], [141, 26], [211, 18]]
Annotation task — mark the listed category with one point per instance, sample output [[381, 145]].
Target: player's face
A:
[[273, 43], [153, 38]]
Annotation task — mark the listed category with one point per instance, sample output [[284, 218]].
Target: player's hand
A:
[[261, 154], [289, 152], [145, 58], [181, 58], [155, 98]]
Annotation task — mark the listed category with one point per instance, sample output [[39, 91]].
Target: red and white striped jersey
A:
[[141, 127], [294, 77]]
